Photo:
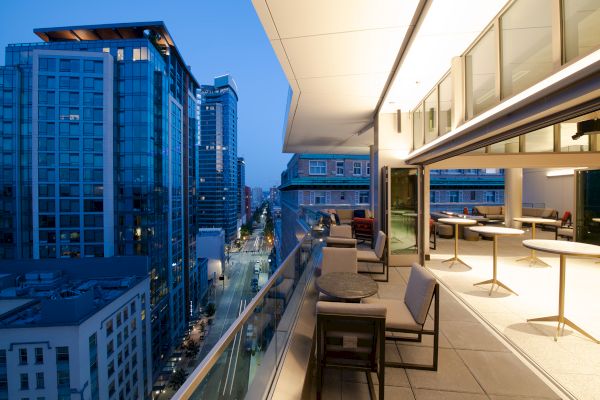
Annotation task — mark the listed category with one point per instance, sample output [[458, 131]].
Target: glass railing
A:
[[243, 363]]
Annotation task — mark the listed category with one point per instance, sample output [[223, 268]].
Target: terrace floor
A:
[[573, 361], [473, 362]]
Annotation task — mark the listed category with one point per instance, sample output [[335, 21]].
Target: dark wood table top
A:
[[346, 285]]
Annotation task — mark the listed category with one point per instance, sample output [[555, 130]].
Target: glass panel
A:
[[540, 141], [431, 117], [581, 27], [403, 220], [587, 186], [506, 146], [418, 134], [526, 39], [567, 143], [481, 64], [446, 105]]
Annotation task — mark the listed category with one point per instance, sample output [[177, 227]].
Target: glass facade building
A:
[[218, 162], [99, 156]]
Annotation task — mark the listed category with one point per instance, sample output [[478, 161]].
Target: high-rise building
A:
[[248, 203], [242, 192], [218, 162], [257, 197], [100, 127], [75, 326]]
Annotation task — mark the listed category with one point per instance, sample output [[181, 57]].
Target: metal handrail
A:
[[202, 370]]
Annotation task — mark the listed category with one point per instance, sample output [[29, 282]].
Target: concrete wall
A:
[[555, 192]]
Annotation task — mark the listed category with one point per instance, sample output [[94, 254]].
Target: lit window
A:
[[120, 54], [136, 54], [357, 168], [106, 49], [317, 167]]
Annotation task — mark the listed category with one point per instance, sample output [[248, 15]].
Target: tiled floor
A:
[[473, 363], [573, 361]]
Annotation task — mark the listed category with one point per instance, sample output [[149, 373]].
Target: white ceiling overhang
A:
[[344, 60]]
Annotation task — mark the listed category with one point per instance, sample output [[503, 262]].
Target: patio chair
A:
[[336, 259], [340, 236], [564, 227], [351, 336], [409, 315], [376, 256]]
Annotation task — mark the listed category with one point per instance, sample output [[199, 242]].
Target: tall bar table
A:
[[533, 220], [496, 231], [564, 249], [456, 222]]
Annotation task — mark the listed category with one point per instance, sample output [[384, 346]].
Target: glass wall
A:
[[403, 211], [445, 95], [418, 127], [526, 38], [431, 117], [581, 27], [480, 65], [505, 146], [540, 141], [587, 185], [567, 143]]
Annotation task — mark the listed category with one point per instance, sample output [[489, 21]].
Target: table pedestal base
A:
[[456, 259], [495, 281], [564, 321], [534, 260]]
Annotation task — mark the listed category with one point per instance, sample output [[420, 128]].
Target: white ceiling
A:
[[338, 55]]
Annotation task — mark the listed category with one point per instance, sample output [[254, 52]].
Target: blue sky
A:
[[215, 37]]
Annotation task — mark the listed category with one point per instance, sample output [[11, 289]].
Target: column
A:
[[513, 196]]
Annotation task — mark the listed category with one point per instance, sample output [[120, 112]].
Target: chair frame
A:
[[323, 318], [385, 268], [435, 333]]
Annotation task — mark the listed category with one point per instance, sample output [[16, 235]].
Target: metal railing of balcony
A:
[[244, 362]]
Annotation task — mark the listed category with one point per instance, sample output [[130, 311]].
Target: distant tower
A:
[[218, 162]]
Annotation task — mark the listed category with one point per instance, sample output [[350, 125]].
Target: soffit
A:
[[337, 56]]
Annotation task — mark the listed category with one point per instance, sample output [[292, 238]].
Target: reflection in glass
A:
[[431, 117], [526, 38], [581, 25], [540, 141], [587, 186], [506, 146], [445, 92], [567, 143], [418, 128], [403, 211], [481, 75]]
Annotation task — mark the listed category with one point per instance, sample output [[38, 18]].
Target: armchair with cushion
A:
[[491, 212], [352, 336], [564, 227], [337, 260], [340, 236], [409, 315], [377, 256]]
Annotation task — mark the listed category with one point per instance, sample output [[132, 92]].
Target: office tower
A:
[[100, 122], [218, 192], [75, 326], [241, 181], [257, 197], [248, 203]]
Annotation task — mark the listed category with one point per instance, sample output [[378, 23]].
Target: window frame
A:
[[354, 164], [317, 164]]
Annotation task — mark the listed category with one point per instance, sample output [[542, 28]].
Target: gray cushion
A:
[[340, 231], [398, 315], [340, 242], [367, 256], [358, 309], [419, 292], [338, 260]]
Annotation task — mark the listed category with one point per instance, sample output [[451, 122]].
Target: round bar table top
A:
[[596, 219], [458, 221], [496, 230], [563, 247], [346, 285], [534, 220]]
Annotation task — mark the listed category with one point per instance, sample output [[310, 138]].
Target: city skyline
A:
[[251, 61]]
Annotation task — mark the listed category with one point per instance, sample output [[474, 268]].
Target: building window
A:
[[472, 195], [317, 167], [22, 356], [453, 196], [434, 196], [363, 197], [39, 355], [62, 379], [110, 348], [39, 380], [357, 168], [368, 168], [319, 198], [24, 382], [339, 168], [120, 54], [490, 196], [109, 327]]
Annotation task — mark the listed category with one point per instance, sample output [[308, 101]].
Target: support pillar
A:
[[513, 196]]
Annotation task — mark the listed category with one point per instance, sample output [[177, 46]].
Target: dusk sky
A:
[[214, 37]]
